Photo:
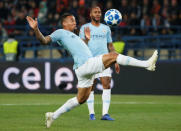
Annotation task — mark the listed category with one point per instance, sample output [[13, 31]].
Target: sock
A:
[[106, 98], [126, 60], [70, 104], [90, 103]]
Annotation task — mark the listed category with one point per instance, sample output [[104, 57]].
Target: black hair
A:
[[94, 6], [64, 16]]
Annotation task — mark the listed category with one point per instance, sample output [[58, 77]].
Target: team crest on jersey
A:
[[104, 31]]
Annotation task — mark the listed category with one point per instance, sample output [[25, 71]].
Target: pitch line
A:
[[113, 102]]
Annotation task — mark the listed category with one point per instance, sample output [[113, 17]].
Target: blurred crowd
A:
[[139, 15]]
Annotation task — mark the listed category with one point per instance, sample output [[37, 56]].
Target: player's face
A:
[[70, 23], [96, 14]]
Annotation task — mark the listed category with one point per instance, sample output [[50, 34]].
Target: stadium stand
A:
[[146, 25]]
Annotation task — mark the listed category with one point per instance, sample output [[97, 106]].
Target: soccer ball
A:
[[112, 17]]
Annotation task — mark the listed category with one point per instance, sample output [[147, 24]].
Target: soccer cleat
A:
[[49, 119], [92, 117], [152, 61], [107, 117]]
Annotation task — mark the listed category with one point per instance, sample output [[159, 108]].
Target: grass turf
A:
[[25, 112]]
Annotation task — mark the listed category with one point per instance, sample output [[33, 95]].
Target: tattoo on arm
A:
[[41, 37]]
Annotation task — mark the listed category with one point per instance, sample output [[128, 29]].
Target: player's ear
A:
[[90, 14], [64, 23]]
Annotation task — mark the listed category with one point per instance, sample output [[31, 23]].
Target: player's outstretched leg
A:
[[148, 64], [48, 119], [83, 94], [51, 116], [152, 61], [109, 59]]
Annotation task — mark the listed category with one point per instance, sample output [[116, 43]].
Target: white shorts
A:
[[105, 73], [86, 72]]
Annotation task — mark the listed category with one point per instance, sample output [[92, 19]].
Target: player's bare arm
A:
[[87, 34], [111, 49], [34, 25]]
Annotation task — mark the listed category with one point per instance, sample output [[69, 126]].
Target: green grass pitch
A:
[[25, 112]]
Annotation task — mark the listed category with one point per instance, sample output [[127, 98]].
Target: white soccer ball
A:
[[112, 17]]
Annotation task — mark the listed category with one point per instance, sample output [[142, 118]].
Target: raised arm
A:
[[87, 34], [34, 25]]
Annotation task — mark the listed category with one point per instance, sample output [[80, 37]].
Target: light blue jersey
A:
[[74, 44], [100, 37]]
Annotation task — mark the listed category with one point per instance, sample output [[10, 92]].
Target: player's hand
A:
[[33, 23], [117, 68], [87, 33]]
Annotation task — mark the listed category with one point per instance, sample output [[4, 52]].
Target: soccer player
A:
[[99, 40], [85, 65]]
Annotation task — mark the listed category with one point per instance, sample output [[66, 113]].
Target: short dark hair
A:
[[64, 16], [94, 6]]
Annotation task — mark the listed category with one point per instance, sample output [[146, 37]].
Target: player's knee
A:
[[106, 82], [107, 86], [82, 100]]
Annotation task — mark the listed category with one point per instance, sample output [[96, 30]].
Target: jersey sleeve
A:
[[109, 38], [56, 36], [81, 33]]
